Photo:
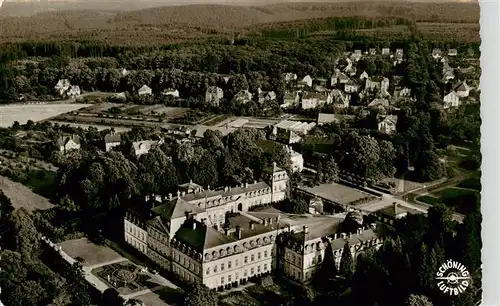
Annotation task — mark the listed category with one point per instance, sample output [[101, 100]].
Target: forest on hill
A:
[[173, 24]]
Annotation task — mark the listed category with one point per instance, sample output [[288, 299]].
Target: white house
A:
[[436, 53], [142, 147], [112, 140], [452, 52], [314, 99], [386, 51], [351, 87], [213, 95], [372, 51], [68, 143], [265, 96], [388, 124], [243, 97], [364, 76], [124, 72], [73, 91], [289, 77], [451, 100], [144, 90], [62, 87], [296, 159], [339, 78], [290, 99], [339, 99], [171, 92], [462, 90], [306, 81]]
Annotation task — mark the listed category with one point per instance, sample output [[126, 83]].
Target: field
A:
[[35, 112], [462, 200], [90, 253], [337, 193], [22, 196], [99, 127]]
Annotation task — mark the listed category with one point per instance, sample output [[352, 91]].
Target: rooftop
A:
[[336, 193], [209, 194], [175, 209], [201, 237]]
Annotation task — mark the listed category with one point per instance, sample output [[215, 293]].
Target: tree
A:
[[299, 205], [24, 237], [428, 167], [417, 300], [76, 285], [325, 276], [111, 297], [346, 268], [200, 295]]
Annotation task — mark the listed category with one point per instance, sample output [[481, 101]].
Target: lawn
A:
[[429, 200], [462, 200], [42, 182], [471, 183]]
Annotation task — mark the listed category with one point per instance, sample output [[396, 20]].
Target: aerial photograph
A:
[[240, 153]]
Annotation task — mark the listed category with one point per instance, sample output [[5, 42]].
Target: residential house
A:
[[306, 82], [364, 76], [145, 90], [448, 74], [316, 206], [289, 132], [339, 78], [399, 55], [112, 140], [372, 51], [226, 79], [339, 99], [379, 103], [73, 91], [451, 100], [289, 77], [314, 99], [356, 56], [62, 87], [68, 143], [243, 97], [402, 92], [389, 215], [386, 51], [381, 84], [387, 124], [171, 92], [319, 88], [296, 159], [266, 96], [462, 90], [351, 87], [142, 147], [321, 81], [290, 99], [437, 54], [213, 95], [350, 69], [452, 52], [124, 72]]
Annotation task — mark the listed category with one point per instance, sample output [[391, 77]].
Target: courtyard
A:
[[105, 268], [338, 193]]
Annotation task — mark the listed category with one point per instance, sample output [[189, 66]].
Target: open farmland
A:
[[22, 113], [22, 196]]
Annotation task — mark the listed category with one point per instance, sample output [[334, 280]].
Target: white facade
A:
[[136, 236], [451, 100], [171, 92], [144, 90], [69, 145], [306, 81]]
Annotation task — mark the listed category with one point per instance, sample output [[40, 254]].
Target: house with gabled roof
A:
[[243, 97], [379, 102], [213, 95], [171, 92], [289, 77], [372, 51], [462, 90], [387, 124], [68, 143], [314, 99], [364, 76], [386, 51], [290, 99], [145, 90], [452, 52], [111, 140], [338, 78], [144, 146], [305, 81], [437, 53], [351, 87], [339, 99], [62, 87], [451, 100], [266, 96]]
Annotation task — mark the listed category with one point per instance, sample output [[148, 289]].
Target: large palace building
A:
[[211, 237]]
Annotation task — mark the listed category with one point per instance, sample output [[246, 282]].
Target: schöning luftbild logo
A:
[[453, 278]]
